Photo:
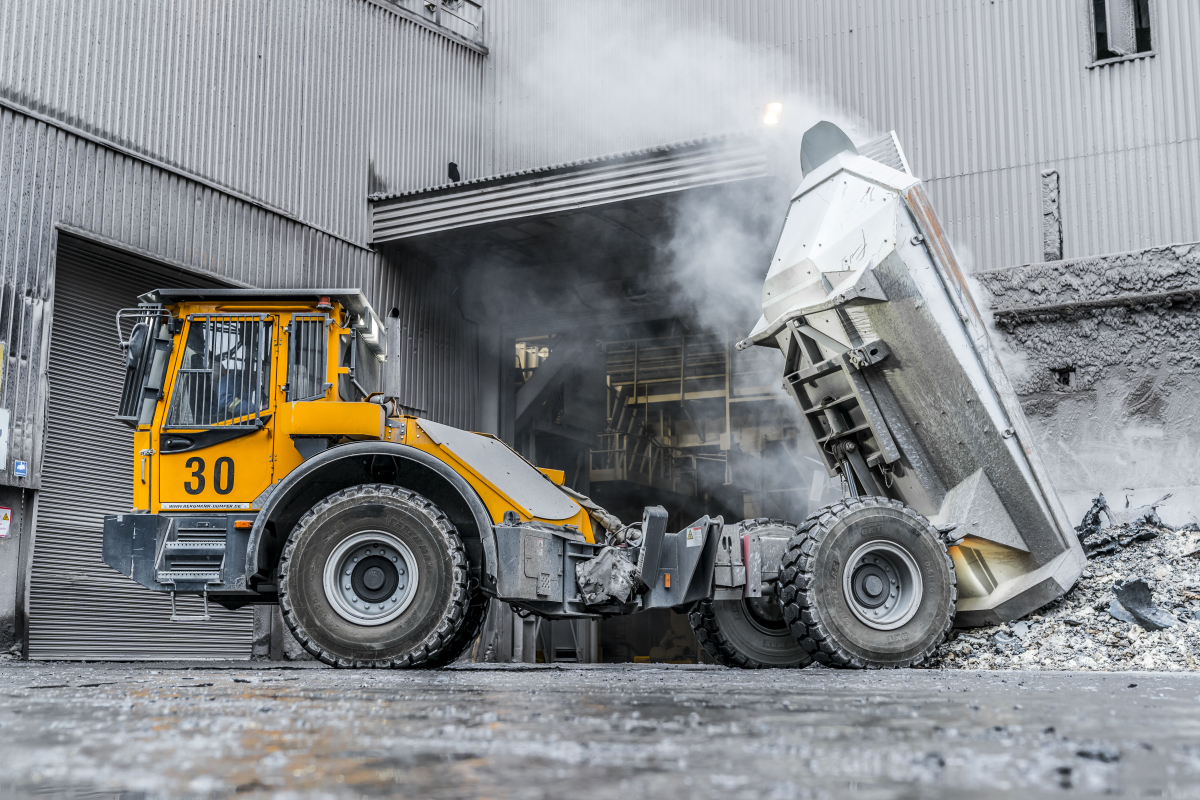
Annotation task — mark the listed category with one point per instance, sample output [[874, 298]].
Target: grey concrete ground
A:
[[645, 731]]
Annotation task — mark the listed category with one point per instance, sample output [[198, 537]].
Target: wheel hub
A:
[[370, 578], [765, 614], [882, 585]]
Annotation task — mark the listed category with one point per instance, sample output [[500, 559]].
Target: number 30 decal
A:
[[222, 475]]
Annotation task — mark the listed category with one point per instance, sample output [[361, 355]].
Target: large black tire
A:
[[464, 637], [751, 634], [433, 609], [818, 585]]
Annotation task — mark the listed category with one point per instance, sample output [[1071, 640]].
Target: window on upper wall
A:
[[1122, 29], [463, 18]]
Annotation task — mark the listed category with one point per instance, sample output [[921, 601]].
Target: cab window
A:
[[307, 364], [225, 373], [365, 374]]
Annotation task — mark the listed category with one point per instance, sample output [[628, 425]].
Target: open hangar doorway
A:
[[610, 294], [661, 412]]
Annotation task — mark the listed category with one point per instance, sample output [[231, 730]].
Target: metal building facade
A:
[[237, 139], [297, 106], [984, 95]]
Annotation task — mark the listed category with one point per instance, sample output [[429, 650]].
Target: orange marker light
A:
[[243, 523], [667, 581]]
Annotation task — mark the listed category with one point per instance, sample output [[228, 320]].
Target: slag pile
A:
[[1136, 606]]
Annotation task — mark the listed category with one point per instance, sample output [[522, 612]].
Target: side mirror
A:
[[137, 345]]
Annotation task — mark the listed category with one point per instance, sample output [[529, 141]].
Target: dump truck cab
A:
[[252, 408], [231, 390]]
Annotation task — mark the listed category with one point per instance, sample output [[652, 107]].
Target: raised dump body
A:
[[889, 359]]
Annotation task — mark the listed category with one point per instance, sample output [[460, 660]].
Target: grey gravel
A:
[[1080, 633]]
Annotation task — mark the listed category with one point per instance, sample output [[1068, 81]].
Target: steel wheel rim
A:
[[371, 578], [882, 585], [765, 614]]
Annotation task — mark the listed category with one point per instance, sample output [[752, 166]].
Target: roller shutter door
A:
[[80, 608]]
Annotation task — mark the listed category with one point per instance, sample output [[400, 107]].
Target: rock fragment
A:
[[1138, 600]]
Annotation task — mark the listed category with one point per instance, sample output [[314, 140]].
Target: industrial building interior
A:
[[662, 412], [628, 380]]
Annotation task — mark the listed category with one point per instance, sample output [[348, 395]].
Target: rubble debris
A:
[[1007, 641], [1092, 523], [1135, 596], [1118, 611], [1091, 627], [1142, 515], [1127, 526]]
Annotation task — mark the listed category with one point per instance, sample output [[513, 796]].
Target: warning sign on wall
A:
[[5, 521]]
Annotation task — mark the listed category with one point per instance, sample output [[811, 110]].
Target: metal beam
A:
[[546, 378]]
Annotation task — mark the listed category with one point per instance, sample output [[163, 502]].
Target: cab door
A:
[[214, 449]]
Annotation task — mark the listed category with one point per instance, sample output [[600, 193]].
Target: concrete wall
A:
[[1105, 353], [15, 550]]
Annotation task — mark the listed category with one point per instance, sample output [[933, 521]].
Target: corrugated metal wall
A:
[[205, 133], [430, 337], [301, 105], [49, 177], [984, 94]]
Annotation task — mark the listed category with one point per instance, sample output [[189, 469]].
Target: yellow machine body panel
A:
[[226, 429], [227, 476], [501, 478]]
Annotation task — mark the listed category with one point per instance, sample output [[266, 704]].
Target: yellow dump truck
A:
[[272, 467]]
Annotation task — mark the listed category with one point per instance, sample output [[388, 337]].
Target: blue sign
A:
[[20, 469]]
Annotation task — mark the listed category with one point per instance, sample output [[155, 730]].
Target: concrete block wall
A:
[[1105, 353]]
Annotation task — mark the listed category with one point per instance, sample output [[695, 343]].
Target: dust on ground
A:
[[595, 732]]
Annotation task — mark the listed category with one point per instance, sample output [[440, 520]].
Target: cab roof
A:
[[353, 300]]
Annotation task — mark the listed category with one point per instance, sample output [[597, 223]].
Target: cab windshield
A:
[[225, 373]]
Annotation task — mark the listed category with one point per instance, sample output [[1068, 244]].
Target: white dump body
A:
[[892, 366]]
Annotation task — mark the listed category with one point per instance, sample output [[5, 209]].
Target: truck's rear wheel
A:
[[867, 583], [374, 576], [750, 633]]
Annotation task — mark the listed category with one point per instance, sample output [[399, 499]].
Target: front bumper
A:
[[181, 552]]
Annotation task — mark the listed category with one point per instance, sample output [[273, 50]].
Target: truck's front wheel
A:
[[374, 576]]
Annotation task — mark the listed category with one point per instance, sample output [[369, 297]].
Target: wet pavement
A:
[[605, 731]]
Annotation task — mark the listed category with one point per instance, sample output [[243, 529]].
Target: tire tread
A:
[[798, 584], [708, 630], [429, 652]]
